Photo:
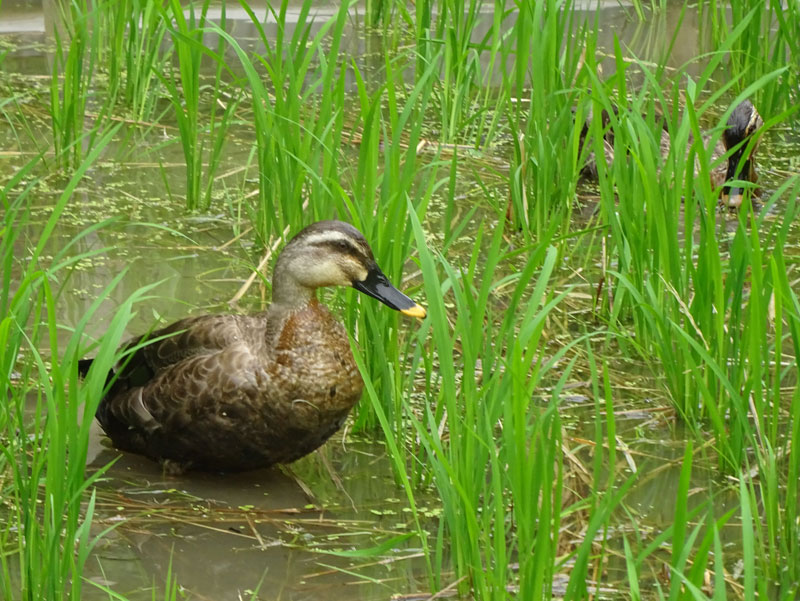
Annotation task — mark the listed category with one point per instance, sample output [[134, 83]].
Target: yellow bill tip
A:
[[415, 311]]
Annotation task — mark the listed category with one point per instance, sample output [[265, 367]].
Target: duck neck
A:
[[287, 291]]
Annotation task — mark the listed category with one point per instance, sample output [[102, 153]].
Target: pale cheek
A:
[[323, 275], [359, 275]]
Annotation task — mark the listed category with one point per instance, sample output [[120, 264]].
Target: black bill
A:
[[377, 285]]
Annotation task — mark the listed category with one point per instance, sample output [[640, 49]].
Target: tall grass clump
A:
[[134, 53], [71, 83], [654, 7], [464, 96], [771, 388], [546, 113], [788, 305], [46, 414], [700, 563], [390, 180], [490, 442], [696, 562], [202, 144], [385, 13], [123, 41], [297, 93], [770, 40], [697, 298]]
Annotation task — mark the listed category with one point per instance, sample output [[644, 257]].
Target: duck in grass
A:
[[241, 392], [742, 125]]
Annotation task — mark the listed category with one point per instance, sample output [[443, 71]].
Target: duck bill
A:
[[378, 286], [732, 197]]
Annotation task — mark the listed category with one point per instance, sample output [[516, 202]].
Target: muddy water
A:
[[224, 537]]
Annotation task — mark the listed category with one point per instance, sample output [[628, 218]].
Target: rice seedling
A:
[[769, 41], [771, 495], [547, 159], [655, 6], [386, 13], [498, 468], [453, 33], [136, 54], [298, 132], [390, 181], [184, 94], [683, 292], [71, 84], [46, 535], [696, 556]]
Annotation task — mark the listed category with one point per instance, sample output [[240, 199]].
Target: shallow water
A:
[[224, 536]]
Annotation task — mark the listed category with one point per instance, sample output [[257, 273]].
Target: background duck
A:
[[743, 123], [240, 392]]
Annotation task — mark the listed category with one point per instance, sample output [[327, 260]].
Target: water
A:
[[225, 536]]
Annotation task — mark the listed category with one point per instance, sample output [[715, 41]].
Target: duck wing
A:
[[171, 346], [191, 412], [174, 343]]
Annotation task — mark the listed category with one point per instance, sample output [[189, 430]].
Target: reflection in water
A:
[[226, 535]]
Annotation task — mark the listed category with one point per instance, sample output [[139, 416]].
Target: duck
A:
[[742, 125], [231, 393]]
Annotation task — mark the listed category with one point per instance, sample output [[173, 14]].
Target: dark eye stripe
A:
[[343, 246]]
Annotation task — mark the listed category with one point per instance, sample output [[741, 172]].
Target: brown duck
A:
[[240, 392], [743, 124]]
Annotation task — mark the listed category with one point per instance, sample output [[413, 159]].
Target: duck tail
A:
[[83, 366], [102, 414]]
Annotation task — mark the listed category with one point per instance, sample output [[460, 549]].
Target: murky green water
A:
[[223, 537]]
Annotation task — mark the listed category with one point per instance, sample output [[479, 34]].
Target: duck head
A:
[[743, 123], [333, 253]]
